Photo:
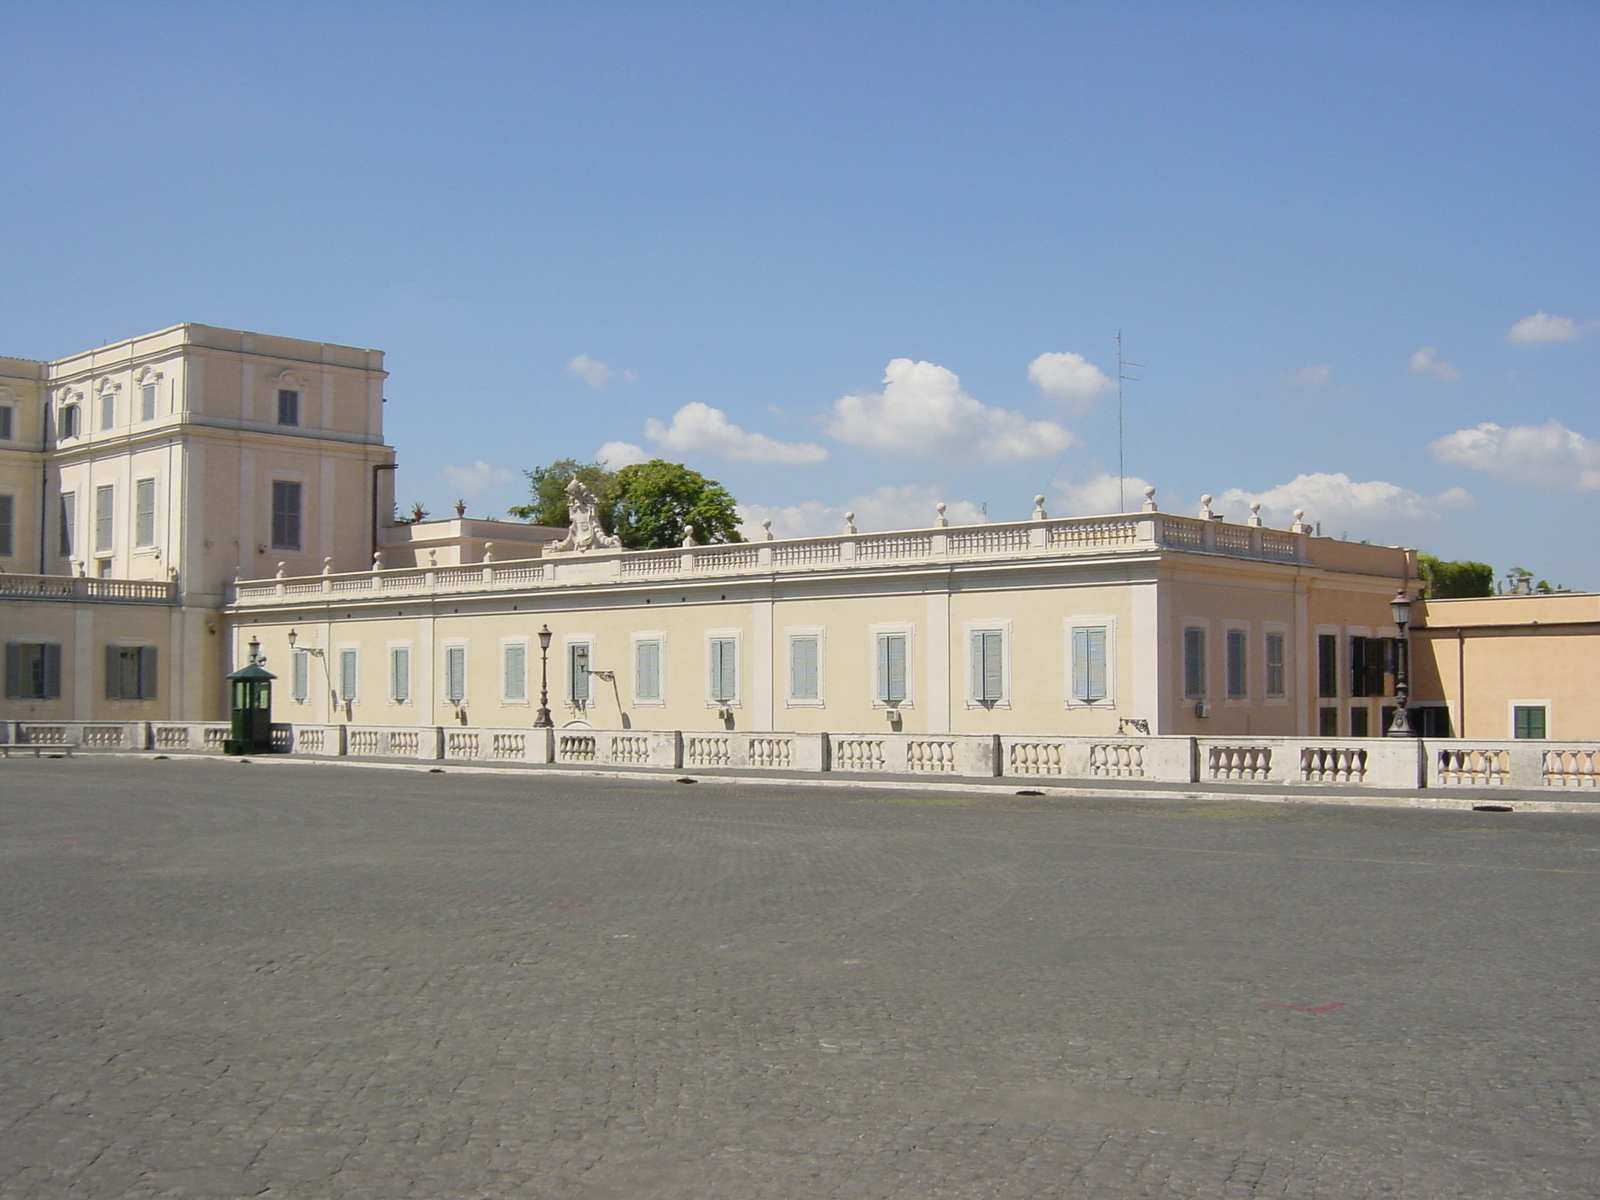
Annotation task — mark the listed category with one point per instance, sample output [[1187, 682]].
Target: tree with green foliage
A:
[[547, 492], [657, 501], [1444, 580]]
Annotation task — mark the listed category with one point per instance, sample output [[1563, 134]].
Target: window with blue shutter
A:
[[1089, 664], [891, 673], [804, 660], [348, 676], [1275, 665], [400, 674], [455, 673], [1194, 663], [724, 670], [1238, 666], [300, 676], [988, 681], [516, 672], [647, 670], [578, 672]]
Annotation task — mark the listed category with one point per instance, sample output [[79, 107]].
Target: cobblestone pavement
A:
[[226, 980]]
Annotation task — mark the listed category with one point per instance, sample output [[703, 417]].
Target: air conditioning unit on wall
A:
[[1202, 708]]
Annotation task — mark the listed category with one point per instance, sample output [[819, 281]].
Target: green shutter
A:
[[147, 673], [50, 671], [114, 673], [13, 671]]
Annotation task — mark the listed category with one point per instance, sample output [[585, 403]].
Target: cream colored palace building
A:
[[167, 499]]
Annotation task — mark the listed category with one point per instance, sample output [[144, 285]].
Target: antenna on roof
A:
[[1122, 377]]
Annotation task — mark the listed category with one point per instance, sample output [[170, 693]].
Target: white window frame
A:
[[634, 642], [294, 477], [1268, 630], [874, 632], [71, 406], [790, 633], [1245, 701], [736, 636], [1207, 691], [1003, 628], [447, 646], [1070, 627], [507, 700], [411, 660]]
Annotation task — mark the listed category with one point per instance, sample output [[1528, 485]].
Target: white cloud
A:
[[1547, 456], [1069, 377], [922, 410], [1426, 361], [476, 479], [1098, 494], [594, 372], [617, 455], [699, 427], [1542, 327], [1313, 376], [909, 506], [1374, 509]]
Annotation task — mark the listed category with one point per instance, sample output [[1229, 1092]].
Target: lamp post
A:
[[1400, 726], [542, 720]]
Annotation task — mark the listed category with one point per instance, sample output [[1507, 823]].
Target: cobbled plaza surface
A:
[[280, 980]]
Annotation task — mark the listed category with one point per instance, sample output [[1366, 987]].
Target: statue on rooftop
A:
[[584, 531]]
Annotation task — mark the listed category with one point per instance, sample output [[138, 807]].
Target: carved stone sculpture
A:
[[585, 532]]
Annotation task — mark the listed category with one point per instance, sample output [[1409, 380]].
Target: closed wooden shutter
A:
[[803, 676], [348, 675], [647, 670], [455, 673], [50, 671], [8, 507], [114, 680], [891, 668], [1194, 664], [400, 674], [516, 673], [1237, 665], [987, 681], [578, 672], [13, 671], [1089, 664], [724, 679], [105, 518], [147, 673], [144, 505], [300, 676]]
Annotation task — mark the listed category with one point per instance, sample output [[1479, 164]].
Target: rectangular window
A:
[[988, 679], [108, 410], [724, 670], [1432, 721], [1369, 658], [288, 407], [130, 672], [516, 672], [647, 670], [147, 402], [6, 422], [33, 671], [1328, 721], [1528, 721], [578, 672], [1237, 645], [1360, 720], [400, 674], [144, 508], [1194, 663], [300, 676], [349, 676], [69, 523], [285, 515], [105, 510], [455, 673], [891, 668], [8, 518], [1327, 664], [805, 668], [1089, 664], [1275, 667], [67, 422]]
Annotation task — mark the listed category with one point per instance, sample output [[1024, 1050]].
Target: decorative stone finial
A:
[[1039, 513], [1299, 524], [940, 521], [688, 536], [238, 572], [850, 522], [488, 552], [1255, 514], [377, 560], [433, 558], [327, 565], [766, 529], [281, 572], [1205, 509], [1150, 499]]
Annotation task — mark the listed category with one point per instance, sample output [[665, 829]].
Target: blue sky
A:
[[1354, 245]]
